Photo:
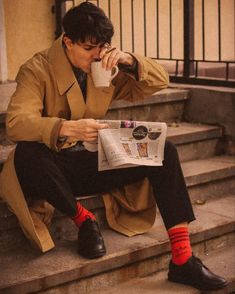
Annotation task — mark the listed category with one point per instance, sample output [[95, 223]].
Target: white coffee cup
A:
[[100, 76]]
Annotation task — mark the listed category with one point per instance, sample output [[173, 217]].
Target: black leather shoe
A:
[[195, 274], [90, 240]]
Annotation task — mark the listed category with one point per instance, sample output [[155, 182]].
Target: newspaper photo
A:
[[129, 143]]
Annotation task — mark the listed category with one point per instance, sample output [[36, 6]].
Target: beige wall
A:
[[29, 27]]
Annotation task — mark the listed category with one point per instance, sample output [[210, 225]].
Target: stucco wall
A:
[[29, 27]]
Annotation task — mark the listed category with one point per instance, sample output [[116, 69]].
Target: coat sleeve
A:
[[152, 77], [25, 121]]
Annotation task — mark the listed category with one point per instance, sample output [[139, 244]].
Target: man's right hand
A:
[[82, 129]]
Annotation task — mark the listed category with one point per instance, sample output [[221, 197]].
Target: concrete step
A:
[[61, 270], [190, 138], [141, 110], [205, 179], [166, 105], [208, 178], [212, 105], [220, 261], [195, 141]]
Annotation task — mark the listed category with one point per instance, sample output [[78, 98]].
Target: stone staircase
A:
[[137, 264]]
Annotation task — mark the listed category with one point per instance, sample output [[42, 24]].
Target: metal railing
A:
[[159, 40]]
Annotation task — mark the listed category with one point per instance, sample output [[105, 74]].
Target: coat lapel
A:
[[76, 102], [66, 80]]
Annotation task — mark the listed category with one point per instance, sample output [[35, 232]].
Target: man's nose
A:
[[96, 53]]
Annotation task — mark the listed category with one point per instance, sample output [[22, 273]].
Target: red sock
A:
[[82, 215], [180, 245]]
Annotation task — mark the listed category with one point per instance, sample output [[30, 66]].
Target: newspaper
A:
[[129, 143]]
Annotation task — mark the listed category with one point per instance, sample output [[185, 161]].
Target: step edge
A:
[[74, 273], [156, 98]]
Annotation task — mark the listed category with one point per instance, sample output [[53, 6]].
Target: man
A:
[[54, 110]]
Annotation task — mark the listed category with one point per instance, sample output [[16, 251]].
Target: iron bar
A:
[[203, 29], [132, 26], [157, 24], [227, 71], [145, 34], [120, 14], [176, 68], [219, 29], [58, 16], [109, 9], [188, 37], [196, 69], [170, 26]]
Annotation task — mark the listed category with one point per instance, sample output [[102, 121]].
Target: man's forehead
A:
[[91, 43], [88, 43]]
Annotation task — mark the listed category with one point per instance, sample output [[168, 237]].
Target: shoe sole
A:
[[93, 255], [196, 286]]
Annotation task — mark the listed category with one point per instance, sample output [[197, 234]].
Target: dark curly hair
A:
[[87, 21]]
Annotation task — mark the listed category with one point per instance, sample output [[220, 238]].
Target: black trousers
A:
[[59, 177]]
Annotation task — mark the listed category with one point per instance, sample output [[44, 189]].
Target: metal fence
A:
[[176, 33]]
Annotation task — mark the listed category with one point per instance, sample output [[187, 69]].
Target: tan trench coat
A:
[[47, 92]]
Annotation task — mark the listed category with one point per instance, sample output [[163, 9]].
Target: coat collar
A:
[[64, 75]]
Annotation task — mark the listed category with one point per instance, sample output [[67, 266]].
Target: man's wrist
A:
[[128, 60], [131, 69]]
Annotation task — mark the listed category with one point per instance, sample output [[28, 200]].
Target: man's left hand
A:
[[113, 56]]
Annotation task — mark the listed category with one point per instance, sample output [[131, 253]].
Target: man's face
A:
[[81, 55]]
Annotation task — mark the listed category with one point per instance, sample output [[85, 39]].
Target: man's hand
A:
[[112, 56], [82, 129]]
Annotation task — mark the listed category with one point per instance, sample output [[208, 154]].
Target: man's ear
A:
[[68, 42]]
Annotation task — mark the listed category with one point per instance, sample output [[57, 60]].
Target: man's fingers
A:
[[105, 50], [83, 129], [103, 126], [95, 125], [89, 137], [112, 58]]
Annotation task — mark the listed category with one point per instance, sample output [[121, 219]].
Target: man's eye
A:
[[88, 48]]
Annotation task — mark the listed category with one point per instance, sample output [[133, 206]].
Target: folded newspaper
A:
[[129, 143]]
